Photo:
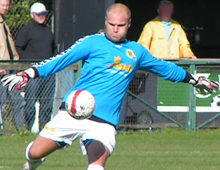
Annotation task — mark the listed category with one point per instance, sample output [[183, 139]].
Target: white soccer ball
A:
[[80, 104], [216, 101]]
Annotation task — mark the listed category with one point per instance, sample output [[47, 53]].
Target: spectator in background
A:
[[164, 37], [35, 42], [8, 52]]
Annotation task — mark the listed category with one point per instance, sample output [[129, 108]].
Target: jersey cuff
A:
[[36, 72], [188, 77]]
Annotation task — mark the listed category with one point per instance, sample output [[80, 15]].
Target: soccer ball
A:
[[80, 104], [216, 101]]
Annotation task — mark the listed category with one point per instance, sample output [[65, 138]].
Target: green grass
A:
[[166, 149]]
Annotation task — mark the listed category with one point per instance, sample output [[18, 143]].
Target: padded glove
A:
[[18, 80], [204, 85]]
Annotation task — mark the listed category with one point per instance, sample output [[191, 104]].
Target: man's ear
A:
[[32, 15], [106, 20], [129, 23]]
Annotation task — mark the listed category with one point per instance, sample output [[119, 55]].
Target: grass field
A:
[[166, 149]]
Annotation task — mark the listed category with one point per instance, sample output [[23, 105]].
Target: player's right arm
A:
[[78, 51]]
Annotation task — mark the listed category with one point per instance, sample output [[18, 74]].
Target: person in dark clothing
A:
[[35, 42]]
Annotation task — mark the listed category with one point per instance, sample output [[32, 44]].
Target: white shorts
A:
[[64, 128]]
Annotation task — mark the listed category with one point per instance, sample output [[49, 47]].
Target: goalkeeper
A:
[[110, 64]]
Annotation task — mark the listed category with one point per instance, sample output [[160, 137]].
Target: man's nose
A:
[[115, 28]]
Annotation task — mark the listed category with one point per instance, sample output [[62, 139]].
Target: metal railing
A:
[[151, 102], [177, 105]]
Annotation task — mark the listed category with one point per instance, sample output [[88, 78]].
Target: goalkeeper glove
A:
[[20, 79], [203, 84]]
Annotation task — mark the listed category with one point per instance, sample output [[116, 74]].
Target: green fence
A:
[[151, 102], [177, 104]]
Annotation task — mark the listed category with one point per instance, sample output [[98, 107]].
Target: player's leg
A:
[[97, 155], [37, 150], [45, 143], [98, 144], [42, 147], [60, 132]]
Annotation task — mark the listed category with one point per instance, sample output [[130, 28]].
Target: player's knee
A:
[[95, 150], [32, 152]]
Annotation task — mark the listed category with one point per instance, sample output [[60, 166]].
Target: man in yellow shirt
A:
[[164, 37]]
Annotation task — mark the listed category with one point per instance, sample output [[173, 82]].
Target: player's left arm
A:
[[203, 84], [174, 73]]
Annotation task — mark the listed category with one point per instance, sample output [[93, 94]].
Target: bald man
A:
[[110, 64]]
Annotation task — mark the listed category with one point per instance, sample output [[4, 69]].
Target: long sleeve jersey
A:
[[107, 71]]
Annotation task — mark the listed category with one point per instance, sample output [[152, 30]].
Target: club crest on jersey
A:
[[131, 54]]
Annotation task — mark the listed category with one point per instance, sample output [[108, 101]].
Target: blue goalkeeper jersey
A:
[[107, 71]]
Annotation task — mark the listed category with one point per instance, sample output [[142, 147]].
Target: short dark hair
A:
[[165, 2]]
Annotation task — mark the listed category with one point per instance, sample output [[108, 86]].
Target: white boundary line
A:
[[171, 152], [5, 167], [186, 109]]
